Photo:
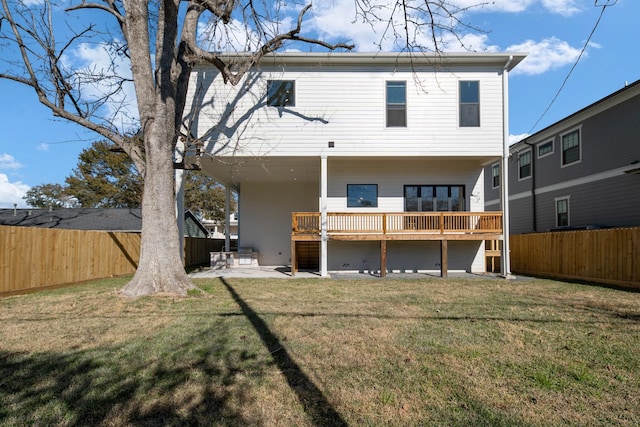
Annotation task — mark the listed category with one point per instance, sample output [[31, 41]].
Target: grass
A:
[[322, 352]]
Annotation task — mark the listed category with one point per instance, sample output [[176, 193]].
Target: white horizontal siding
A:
[[347, 106]]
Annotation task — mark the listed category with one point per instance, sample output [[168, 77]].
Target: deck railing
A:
[[305, 223]]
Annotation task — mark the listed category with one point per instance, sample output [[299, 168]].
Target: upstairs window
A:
[[281, 93], [396, 104], [571, 147], [545, 148], [470, 103], [524, 165], [495, 175]]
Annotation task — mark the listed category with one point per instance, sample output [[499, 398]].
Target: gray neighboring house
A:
[[96, 219], [581, 172]]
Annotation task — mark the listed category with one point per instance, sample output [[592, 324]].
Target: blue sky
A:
[[36, 148]]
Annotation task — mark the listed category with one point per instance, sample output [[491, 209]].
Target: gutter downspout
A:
[[505, 259]]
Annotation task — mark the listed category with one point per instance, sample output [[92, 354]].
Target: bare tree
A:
[[159, 40]]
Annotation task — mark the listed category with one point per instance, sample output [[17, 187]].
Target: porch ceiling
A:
[[233, 171]]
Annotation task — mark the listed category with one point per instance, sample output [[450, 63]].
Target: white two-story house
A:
[[359, 161]]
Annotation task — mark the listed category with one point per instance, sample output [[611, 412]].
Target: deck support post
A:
[[444, 258], [227, 219], [323, 217], [383, 258]]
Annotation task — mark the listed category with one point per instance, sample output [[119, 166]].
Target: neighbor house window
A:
[[396, 104], [362, 195], [495, 175], [469, 103], [545, 148], [281, 93], [562, 212], [524, 165], [571, 147], [431, 198]]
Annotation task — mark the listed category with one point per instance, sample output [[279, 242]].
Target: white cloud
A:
[[12, 192], [43, 146], [231, 37], [8, 162], [517, 138], [336, 20], [510, 6], [97, 71], [548, 54], [562, 7]]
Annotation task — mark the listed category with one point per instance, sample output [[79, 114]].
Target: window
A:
[[545, 148], [281, 93], [396, 104], [430, 198], [524, 165], [571, 147], [362, 195], [562, 212], [469, 104], [495, 175]]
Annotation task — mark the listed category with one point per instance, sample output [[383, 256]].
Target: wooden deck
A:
[[383, 226]]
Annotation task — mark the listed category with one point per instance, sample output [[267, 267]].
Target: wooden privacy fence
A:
[[33, 258], [610, 256]]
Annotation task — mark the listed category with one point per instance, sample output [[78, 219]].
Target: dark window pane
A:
[[396, 117], [426, 194], [411, 198], [457, 198], [525, 164], [396, 93], [281, 93], [362, 195], [469, 92], [469, 115], [571, 147], [442, 198], [562, 208], [545, 148]]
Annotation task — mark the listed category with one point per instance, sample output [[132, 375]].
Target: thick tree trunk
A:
[[160, 270]]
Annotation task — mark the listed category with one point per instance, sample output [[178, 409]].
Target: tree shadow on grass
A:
[[194, 380], [309, 395]]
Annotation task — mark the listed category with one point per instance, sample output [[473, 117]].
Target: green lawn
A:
[[319, 352]]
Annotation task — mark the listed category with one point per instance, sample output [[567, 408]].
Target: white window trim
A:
[[553, 148], [530, 165], [499, 172], [555, 204], [561, 148]]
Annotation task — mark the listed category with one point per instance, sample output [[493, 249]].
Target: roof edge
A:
[[499, 59]]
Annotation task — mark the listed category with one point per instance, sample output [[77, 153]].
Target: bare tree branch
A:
[[110, 8]]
